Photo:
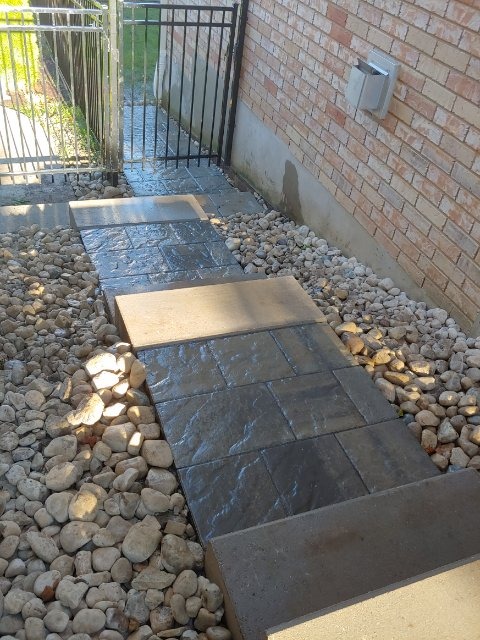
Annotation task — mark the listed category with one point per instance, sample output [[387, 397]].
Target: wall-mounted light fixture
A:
[[371, 83]]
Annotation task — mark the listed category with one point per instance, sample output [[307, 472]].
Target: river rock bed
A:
[[95, 540], [94, 186], [426, 367]]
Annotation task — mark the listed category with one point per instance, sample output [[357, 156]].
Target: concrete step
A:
[[47, 216], [88, 214], [410, 609], [170, 317], [219, 275], [277, 572]]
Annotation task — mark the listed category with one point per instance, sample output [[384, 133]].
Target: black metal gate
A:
[[180, 88]]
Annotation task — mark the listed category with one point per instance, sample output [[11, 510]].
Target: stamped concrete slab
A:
[[184, 315], [181, 370], [315, 404], [224, 495], [277, 572], [206, 427], [313, 348], [121, 211], [413, 608], [314, 473], [386, 455], [250, 358]]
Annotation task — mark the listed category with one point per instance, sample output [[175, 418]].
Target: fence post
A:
[[235, 82], [114, 141]]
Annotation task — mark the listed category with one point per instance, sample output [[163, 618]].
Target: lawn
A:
[[19, 53], [140, 52]]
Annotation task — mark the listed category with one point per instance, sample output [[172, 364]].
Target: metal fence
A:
[[178, 81], [87, 86], [52, 76]]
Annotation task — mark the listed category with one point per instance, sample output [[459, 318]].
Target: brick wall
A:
[[411, 180]]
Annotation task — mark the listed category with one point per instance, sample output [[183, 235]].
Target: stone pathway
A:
[[262, 424]]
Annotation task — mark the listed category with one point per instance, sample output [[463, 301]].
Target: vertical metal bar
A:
[[97, 45], [226, 82], [132, 80], [85, 88], [15, 85], [214, 107], [4, 112], [44, 88], [59, 93], [144, 116], [115, 15], [157, 100], [236, 81], [106, 92], [207, 58], [181, 86], [169, 83], [25, 53], [120, 94], [190, 126], [72, 91]]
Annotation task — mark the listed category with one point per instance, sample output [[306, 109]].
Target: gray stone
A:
[[140, 542], [43, 546]]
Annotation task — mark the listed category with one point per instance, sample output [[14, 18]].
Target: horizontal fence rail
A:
[[177, 81]]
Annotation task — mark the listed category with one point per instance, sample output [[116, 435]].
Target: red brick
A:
[[464, 86], [341, 35], [337, 114], [336, 14], [411, 267]]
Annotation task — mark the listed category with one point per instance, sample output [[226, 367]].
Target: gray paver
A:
[[151, 235], [106, 239], [220, 254], [367, 398], [312, 473], [182, 257], [276, 572], [231, 494], [250, 358], [207, 427], [196, 231], [181, 370], [315, 404], [111, 264], [313, 348], [387, 455]]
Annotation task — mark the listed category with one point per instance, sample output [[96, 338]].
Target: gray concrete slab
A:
[[121, 211], [46, 216], [184, 315], [289, 568]]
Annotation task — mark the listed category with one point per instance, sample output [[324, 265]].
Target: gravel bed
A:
[[418, 356], [95, 540], [93, 187]]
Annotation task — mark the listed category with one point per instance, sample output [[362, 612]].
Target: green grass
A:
[[144, 51], [19, 53]]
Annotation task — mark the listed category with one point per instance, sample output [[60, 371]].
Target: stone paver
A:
[[216, 425]]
